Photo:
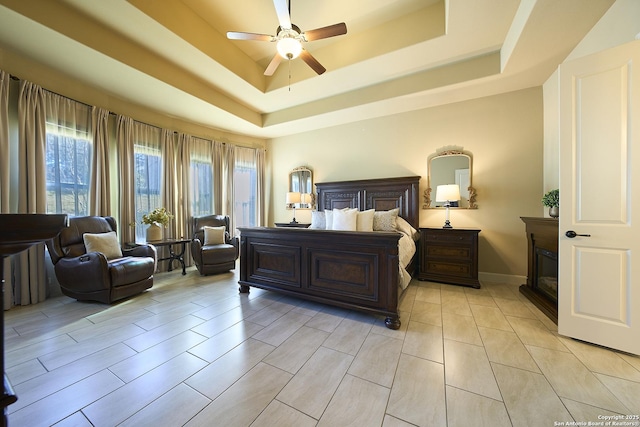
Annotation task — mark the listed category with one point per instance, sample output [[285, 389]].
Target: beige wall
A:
[[504, 133]]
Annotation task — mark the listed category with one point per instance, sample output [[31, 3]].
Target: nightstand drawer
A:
[[455, 238], [457, 252], [450, 268]]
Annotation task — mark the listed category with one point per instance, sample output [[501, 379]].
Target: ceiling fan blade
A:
[[273, 65], [282, 10], [312, 62], [326, 32], [233, 35]]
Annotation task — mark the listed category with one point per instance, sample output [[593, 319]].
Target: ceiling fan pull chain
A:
[[289, 75]]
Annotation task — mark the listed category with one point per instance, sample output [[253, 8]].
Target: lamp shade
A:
[[289, 48], [293, 197], [305, 198], [447, 193]]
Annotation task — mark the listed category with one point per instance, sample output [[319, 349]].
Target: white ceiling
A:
[[398, 55]]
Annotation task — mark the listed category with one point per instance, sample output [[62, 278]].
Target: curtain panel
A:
[[169, 187], [5, 165], [29, 271], [100, 190], [126, 161]]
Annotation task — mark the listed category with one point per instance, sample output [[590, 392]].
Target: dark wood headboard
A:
[[379, 194]]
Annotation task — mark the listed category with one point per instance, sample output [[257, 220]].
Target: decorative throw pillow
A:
[[318, 220], [407, 229], [214, 235], [364, 221], [344, 219], [385, 220], [105, 243]]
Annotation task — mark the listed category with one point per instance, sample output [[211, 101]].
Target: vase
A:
[[554, 211], [154, 232]]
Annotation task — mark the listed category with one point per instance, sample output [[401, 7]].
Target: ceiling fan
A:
[[289, 39]]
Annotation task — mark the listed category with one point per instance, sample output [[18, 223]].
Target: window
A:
[[148, 181], [245, 188], [201, 184], [68, 174]]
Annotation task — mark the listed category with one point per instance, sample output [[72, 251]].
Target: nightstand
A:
[[449, 255]]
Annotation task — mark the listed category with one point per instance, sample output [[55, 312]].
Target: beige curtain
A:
[[228, 165], [169, 188], [5, 164], [218, 180], [29, 272], [126, 161], [260, 194], [183, 208], [100, 191]]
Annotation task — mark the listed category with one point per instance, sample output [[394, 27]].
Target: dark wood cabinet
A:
[[293, 224], [542, 272], [449, 255]]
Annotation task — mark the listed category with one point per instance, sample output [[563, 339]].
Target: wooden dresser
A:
[[449, 255]]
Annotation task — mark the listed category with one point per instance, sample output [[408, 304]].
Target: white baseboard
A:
[[502, 278]]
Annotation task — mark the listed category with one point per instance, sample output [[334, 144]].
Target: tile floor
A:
[[192, 351]]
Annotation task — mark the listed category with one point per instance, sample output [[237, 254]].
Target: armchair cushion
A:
[[214, 235], [106, 243]]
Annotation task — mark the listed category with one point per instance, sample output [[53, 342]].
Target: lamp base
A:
[[447, 224]]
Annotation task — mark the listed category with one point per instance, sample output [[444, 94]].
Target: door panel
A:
[[599, 289]]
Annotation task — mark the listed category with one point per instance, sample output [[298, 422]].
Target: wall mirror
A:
[[301, 181], [450, 165]]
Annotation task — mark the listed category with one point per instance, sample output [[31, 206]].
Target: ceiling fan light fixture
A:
[[289, 47]]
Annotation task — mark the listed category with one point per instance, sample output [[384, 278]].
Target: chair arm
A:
[[141, 251], [235, 241], [92, 269], [196, 250]]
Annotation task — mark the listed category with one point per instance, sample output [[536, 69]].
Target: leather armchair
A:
[[213, 258], [92, 276]]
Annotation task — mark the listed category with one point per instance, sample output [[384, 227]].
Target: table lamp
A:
[[447, 193], [293, 197]]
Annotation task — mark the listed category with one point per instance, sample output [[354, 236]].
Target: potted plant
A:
[[156, 219], [552, 200]]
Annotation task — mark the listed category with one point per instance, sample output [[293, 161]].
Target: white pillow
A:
[[385, 220], [105, 243], [364, 221], [318, 220], [407, 229], [344, 219], [214, 235], [328, 218]]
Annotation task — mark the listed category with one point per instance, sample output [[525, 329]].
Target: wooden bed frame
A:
[[350, 269]]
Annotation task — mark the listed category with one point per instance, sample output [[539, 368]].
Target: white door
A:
[[599, 275]]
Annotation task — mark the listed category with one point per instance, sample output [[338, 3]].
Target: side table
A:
[[169, 243]]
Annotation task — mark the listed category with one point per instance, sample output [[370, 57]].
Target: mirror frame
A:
[[312, 202], [443, 152]]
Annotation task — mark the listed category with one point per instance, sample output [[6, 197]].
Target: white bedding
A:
[[406, 250]]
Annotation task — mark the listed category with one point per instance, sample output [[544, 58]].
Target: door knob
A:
[[571, 234]]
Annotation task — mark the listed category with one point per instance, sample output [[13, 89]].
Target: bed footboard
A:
[[356, 270]]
